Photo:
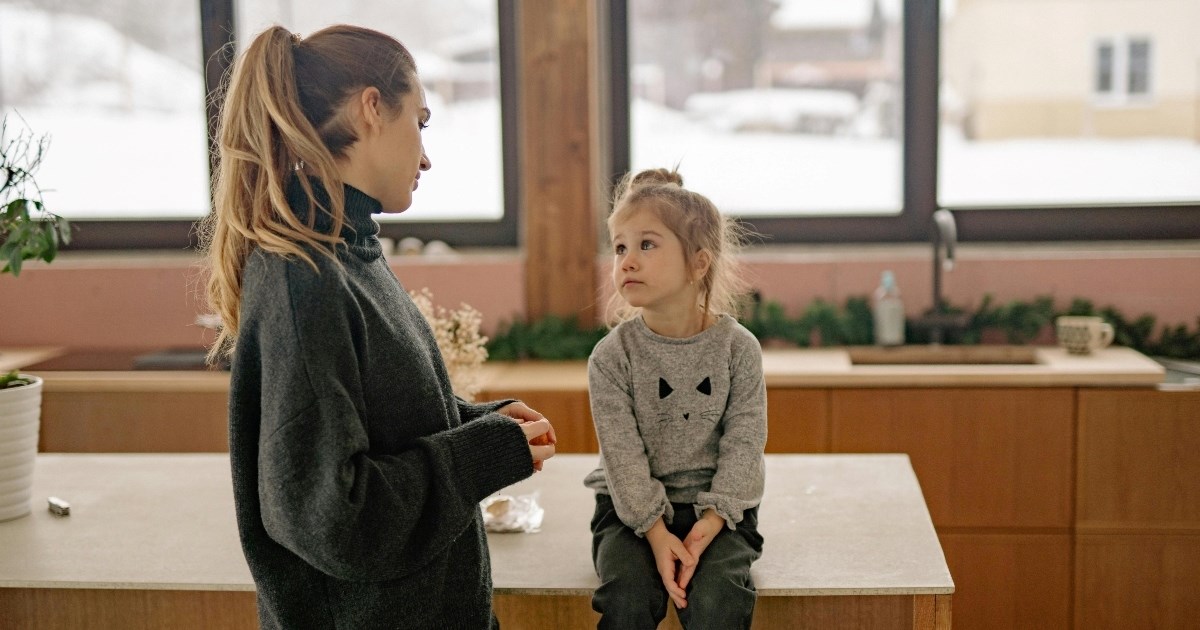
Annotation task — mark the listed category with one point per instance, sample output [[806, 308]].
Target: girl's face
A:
[[649, 269], [396, 156]]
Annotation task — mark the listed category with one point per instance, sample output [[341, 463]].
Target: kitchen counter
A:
[[832, 367], [800, 367], [854, 526]]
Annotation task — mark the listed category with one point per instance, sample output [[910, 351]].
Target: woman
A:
[[357, 473]]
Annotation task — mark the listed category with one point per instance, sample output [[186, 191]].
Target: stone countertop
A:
[[833, 524], [137, 522]]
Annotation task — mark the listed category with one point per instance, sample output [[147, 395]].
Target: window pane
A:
[[1068, 102], [771, 108], [117, 87], [1104, 68], [456, 46], [1139, 66]]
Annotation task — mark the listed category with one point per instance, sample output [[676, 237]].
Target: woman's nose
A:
[[425, 163]]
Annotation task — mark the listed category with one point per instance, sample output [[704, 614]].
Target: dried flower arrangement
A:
[[457, 333]]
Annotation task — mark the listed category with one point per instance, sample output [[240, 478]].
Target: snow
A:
[[781, 174]]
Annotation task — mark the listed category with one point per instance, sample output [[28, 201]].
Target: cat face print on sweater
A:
[[686, 405]]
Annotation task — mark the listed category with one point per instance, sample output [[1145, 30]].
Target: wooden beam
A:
[[557, 39]]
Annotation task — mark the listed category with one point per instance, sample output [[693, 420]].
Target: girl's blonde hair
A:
[[698, 225], [283, 115]]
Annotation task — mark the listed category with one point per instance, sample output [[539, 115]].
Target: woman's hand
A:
[[520, 412], [697, 540], [669, 550], [538, 431]]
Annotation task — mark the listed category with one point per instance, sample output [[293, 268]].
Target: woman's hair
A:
[[698, 225], [283, 114]]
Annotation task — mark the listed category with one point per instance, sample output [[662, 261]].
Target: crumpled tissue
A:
[[503, 513]]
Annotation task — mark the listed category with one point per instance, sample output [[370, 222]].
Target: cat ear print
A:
[[705, 387], [664, 388]]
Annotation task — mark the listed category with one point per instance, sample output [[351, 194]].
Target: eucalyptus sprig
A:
[[27, 229]]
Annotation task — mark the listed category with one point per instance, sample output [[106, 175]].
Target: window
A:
[[1010, 131], [116, 86], [125, 106], [1122, 68], [771, 108]]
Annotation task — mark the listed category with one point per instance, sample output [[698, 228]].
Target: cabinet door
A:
[[984, 457], [1137, 548], [797, 420], [1139, 460], [1018, 581], [1136, 581]]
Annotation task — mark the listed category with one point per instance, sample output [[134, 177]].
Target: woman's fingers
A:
[[540, 435]]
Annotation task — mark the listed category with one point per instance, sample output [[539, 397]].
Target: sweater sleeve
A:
[[470, 410], [324, 495], [741, 471], [638, 497]]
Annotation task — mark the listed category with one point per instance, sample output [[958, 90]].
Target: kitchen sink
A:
[[937, 354]]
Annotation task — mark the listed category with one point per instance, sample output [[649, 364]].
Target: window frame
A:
[[219, 47], [921, 44]]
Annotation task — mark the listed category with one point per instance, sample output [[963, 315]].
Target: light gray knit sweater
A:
[[679, 420]]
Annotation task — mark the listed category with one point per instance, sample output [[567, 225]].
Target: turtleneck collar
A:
[[359, 230]]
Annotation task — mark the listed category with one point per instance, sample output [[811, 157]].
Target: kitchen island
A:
[[1056, 485], [151, 542]]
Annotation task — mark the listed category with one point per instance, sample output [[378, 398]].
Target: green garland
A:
[[823, 323]]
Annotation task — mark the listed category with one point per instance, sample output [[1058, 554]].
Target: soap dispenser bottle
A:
[[889, 312]]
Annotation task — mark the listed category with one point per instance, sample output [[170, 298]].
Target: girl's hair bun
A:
[[657, 176]]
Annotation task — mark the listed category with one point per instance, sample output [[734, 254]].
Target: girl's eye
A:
[[647, 244], [619, 249], [423, 125]]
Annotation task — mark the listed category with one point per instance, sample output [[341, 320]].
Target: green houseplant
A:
[[27, 231]]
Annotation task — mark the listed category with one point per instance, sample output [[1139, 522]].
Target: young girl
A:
[[357, 473], [679, 404]]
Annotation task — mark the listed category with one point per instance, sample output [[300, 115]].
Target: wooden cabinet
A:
[[985, 457], [1137, 548], [1010, 580], [797, 420], [135, 417], [996, 469]]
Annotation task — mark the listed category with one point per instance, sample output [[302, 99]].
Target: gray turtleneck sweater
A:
[[357, 473], [679, 421]]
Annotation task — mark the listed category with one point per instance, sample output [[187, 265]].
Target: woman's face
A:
[[397, 153]]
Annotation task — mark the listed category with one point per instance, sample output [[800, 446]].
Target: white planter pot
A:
[[20, 412]]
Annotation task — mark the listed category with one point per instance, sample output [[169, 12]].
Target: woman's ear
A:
[[366, 110]]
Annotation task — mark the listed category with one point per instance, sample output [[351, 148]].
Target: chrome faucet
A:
[[946, 234], [937, 319]]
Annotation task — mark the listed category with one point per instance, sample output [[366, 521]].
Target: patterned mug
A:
[[1083, 334]]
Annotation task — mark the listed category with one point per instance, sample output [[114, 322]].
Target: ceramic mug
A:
[[1080, 334]]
